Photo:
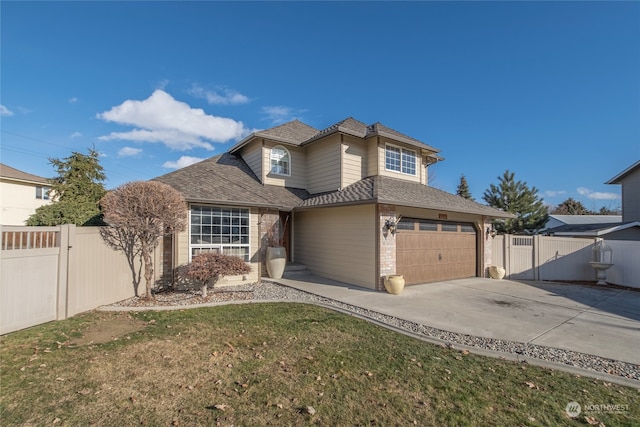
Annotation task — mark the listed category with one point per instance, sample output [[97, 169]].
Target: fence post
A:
[[63, 272], [506, 253], [536, 257]]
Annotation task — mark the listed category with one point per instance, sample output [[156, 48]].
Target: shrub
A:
[[207, 268]]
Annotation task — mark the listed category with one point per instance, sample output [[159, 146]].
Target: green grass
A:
[[265, 363]]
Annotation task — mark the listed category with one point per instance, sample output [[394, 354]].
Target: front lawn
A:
[[276, 364]]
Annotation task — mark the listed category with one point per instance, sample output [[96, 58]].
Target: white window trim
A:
[[288, 155], [219, 246], [415, 156]]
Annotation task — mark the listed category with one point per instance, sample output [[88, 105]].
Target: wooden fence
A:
[[563, 258], [52, 273]]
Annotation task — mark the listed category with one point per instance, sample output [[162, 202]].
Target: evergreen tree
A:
[[75, 192], [517, 198], [463, 189], [571, 207]]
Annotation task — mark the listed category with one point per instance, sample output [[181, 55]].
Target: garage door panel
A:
[[428, 256]]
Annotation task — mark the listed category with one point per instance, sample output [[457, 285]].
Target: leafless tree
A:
[[138, 214]]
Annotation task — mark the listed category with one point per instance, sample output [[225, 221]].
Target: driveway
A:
[[587, 319]]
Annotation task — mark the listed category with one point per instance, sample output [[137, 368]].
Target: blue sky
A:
[[549, 90]]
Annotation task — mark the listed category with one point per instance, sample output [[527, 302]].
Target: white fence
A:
[[563, 258], [51, 273]]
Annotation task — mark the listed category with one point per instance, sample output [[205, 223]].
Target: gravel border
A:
[[273, 291]]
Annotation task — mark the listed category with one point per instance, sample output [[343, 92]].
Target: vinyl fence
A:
[[563, 258], [52, 273]]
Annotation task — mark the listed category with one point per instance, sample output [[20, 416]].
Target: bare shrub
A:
[[207, 268]]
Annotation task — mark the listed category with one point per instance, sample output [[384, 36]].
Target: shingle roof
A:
[[226, 179], [298, 133], [13, 173], [383, 189]]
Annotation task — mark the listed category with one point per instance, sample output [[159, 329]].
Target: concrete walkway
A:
[[593, 320]]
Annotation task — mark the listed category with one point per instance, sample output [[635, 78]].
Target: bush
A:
[[207, 268]]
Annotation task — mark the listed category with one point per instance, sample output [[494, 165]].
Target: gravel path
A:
[[268, 291]]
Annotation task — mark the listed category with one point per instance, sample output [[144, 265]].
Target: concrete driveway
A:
[[593, 320]]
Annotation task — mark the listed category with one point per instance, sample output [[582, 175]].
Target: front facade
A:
[[21, 194], [630, 181], [351, 202]]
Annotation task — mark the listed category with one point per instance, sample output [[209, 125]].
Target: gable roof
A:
[[383, 189], [18, 175], [298, 133], [618, 178], [227, 180]]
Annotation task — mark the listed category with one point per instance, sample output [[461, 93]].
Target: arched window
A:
[[280, 161]]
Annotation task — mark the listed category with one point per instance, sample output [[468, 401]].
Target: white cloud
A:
[[280, 114], [160, 118], [221, 97], [4, 111], [73, 100], [554, 193], [162, 84], [76, 135], [129, 151], [181, 162], [597, 195]]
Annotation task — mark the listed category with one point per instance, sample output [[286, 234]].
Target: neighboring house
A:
[[21, 193], [611, 227], [630, 181], [334, 191]]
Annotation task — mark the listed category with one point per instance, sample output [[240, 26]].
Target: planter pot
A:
[[496, 272], [394, 283], [276, 261]]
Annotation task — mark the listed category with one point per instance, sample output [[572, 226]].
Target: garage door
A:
[[430, 251]]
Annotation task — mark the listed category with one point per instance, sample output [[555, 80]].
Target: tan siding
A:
[[338, 243], [252, 155], [372, 156], [354, 160], [394, 174], [323, 165], [298, 178]]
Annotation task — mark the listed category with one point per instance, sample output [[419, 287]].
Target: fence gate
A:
[[521, 258]]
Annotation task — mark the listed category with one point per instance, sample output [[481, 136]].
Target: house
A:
[[590, 226], [21, 193], [353, 201], [630, 181]]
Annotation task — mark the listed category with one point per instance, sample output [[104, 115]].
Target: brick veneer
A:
[[387, 245], [488, 249]]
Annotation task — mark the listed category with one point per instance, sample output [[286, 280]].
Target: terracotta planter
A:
[[276, 262], [394, 283], [496, 272]]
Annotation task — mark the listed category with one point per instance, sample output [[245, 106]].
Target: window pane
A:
[[408, 162], [392, 158], [428, 226], [279, 159], [406, 224], [466, 228], [449, 227], [212, 227]]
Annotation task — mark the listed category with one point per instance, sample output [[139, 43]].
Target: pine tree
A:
[[75, 192], [571, 207], [517, 198], [463, 189]]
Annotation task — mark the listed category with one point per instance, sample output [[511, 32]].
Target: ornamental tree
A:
[[517, 198], [206, 268], [138, 214], [75, 192]]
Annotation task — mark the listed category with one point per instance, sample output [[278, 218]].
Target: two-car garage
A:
[[430, 250]]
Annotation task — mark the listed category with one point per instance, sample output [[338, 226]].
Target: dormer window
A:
[[280, 161], [400, 160]]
